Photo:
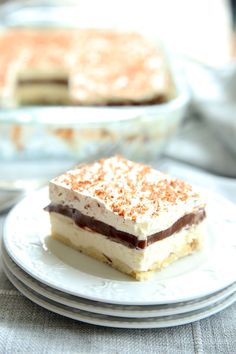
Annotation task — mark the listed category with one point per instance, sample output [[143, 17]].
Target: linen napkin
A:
[[208, 137]]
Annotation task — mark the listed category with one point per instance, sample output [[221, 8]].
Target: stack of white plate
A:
[[76, 286]]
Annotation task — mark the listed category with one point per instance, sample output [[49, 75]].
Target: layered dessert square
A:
[[126, 214], [43, 75]]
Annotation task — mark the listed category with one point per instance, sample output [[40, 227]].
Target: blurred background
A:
[[193, 135], [199, 29]]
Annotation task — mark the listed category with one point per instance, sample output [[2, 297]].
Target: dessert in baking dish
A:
[[126, 214], [85, 67], [119, 68]]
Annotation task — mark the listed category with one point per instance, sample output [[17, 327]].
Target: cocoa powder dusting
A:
[[128, 188]]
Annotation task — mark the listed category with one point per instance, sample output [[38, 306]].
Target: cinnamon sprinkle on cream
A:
[[129, 189]]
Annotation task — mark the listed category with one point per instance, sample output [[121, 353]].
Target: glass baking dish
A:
[[137, 132]]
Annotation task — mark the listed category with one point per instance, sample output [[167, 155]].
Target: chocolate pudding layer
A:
[[44, 81], [84, 221]]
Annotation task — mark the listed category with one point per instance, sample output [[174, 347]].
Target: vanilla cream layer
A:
[[136, 260], [42, 92], [144, 226], [41, 73]]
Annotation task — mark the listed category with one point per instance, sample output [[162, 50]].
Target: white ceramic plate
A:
[[119, 322], [27, 241], [112, 309]]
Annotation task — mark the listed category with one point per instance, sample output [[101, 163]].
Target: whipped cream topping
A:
[[130, 196], [120, 65], [104, 66]]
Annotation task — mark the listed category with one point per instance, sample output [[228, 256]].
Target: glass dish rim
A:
[[55, 115]]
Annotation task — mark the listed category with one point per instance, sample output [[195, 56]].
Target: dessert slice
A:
[[126, 214], [43, 77], [42, 86]]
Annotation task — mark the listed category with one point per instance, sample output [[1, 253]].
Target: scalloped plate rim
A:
[[99, 308], [91, 318], [107, 290]]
